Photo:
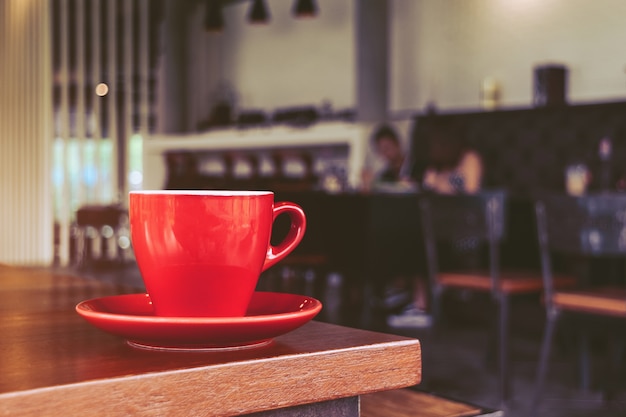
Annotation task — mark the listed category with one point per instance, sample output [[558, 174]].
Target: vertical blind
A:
[[25, 133], [104, 57]]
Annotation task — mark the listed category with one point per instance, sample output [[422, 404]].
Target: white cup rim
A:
[[225, 193]]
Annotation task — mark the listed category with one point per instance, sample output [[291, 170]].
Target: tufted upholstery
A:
[[526, 150]]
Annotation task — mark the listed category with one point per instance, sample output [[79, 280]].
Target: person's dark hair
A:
[[446, 146], [385, 131]]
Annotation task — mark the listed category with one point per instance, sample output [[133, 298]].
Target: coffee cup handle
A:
[[294, 236]]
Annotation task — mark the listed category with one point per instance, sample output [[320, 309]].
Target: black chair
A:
[[474, 221], [583, 228]]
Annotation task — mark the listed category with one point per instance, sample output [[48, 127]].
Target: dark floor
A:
[[456, 356]]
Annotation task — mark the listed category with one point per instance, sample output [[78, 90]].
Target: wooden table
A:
[[52, 362]]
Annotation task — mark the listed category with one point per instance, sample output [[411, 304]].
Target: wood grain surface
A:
[[54, 363]]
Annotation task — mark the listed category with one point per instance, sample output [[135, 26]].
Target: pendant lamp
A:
[[213, 18], [304, 8], [258, 12]]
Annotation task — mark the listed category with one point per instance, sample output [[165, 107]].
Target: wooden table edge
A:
[[275, 382]]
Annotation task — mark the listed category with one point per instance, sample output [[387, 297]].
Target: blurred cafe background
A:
[[102, 97]]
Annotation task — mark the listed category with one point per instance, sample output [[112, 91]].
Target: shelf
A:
[[320, 140]]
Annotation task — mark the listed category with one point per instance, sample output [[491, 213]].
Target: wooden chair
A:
[[589, 226], [477, 219]]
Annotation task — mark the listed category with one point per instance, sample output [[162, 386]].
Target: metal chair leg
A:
[[584, 362], [613, 366], [543, 361], [366, 305], [503, 347], [493, 339], [436, 307]]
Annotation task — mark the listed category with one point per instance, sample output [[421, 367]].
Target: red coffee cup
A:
[[200, 253]]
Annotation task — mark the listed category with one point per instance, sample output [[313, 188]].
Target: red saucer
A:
[[131, 317]]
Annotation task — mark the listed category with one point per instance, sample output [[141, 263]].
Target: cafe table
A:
[[54, 363]]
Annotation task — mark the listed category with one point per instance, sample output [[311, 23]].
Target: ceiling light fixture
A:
[[258, 12], [305, 8]]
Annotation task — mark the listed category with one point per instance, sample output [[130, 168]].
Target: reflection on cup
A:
[[576, 179]]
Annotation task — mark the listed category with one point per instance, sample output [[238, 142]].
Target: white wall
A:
[[288, 62], [440, 51]]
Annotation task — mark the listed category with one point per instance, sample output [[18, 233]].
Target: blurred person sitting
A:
[[398, 173], [451, 168]]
